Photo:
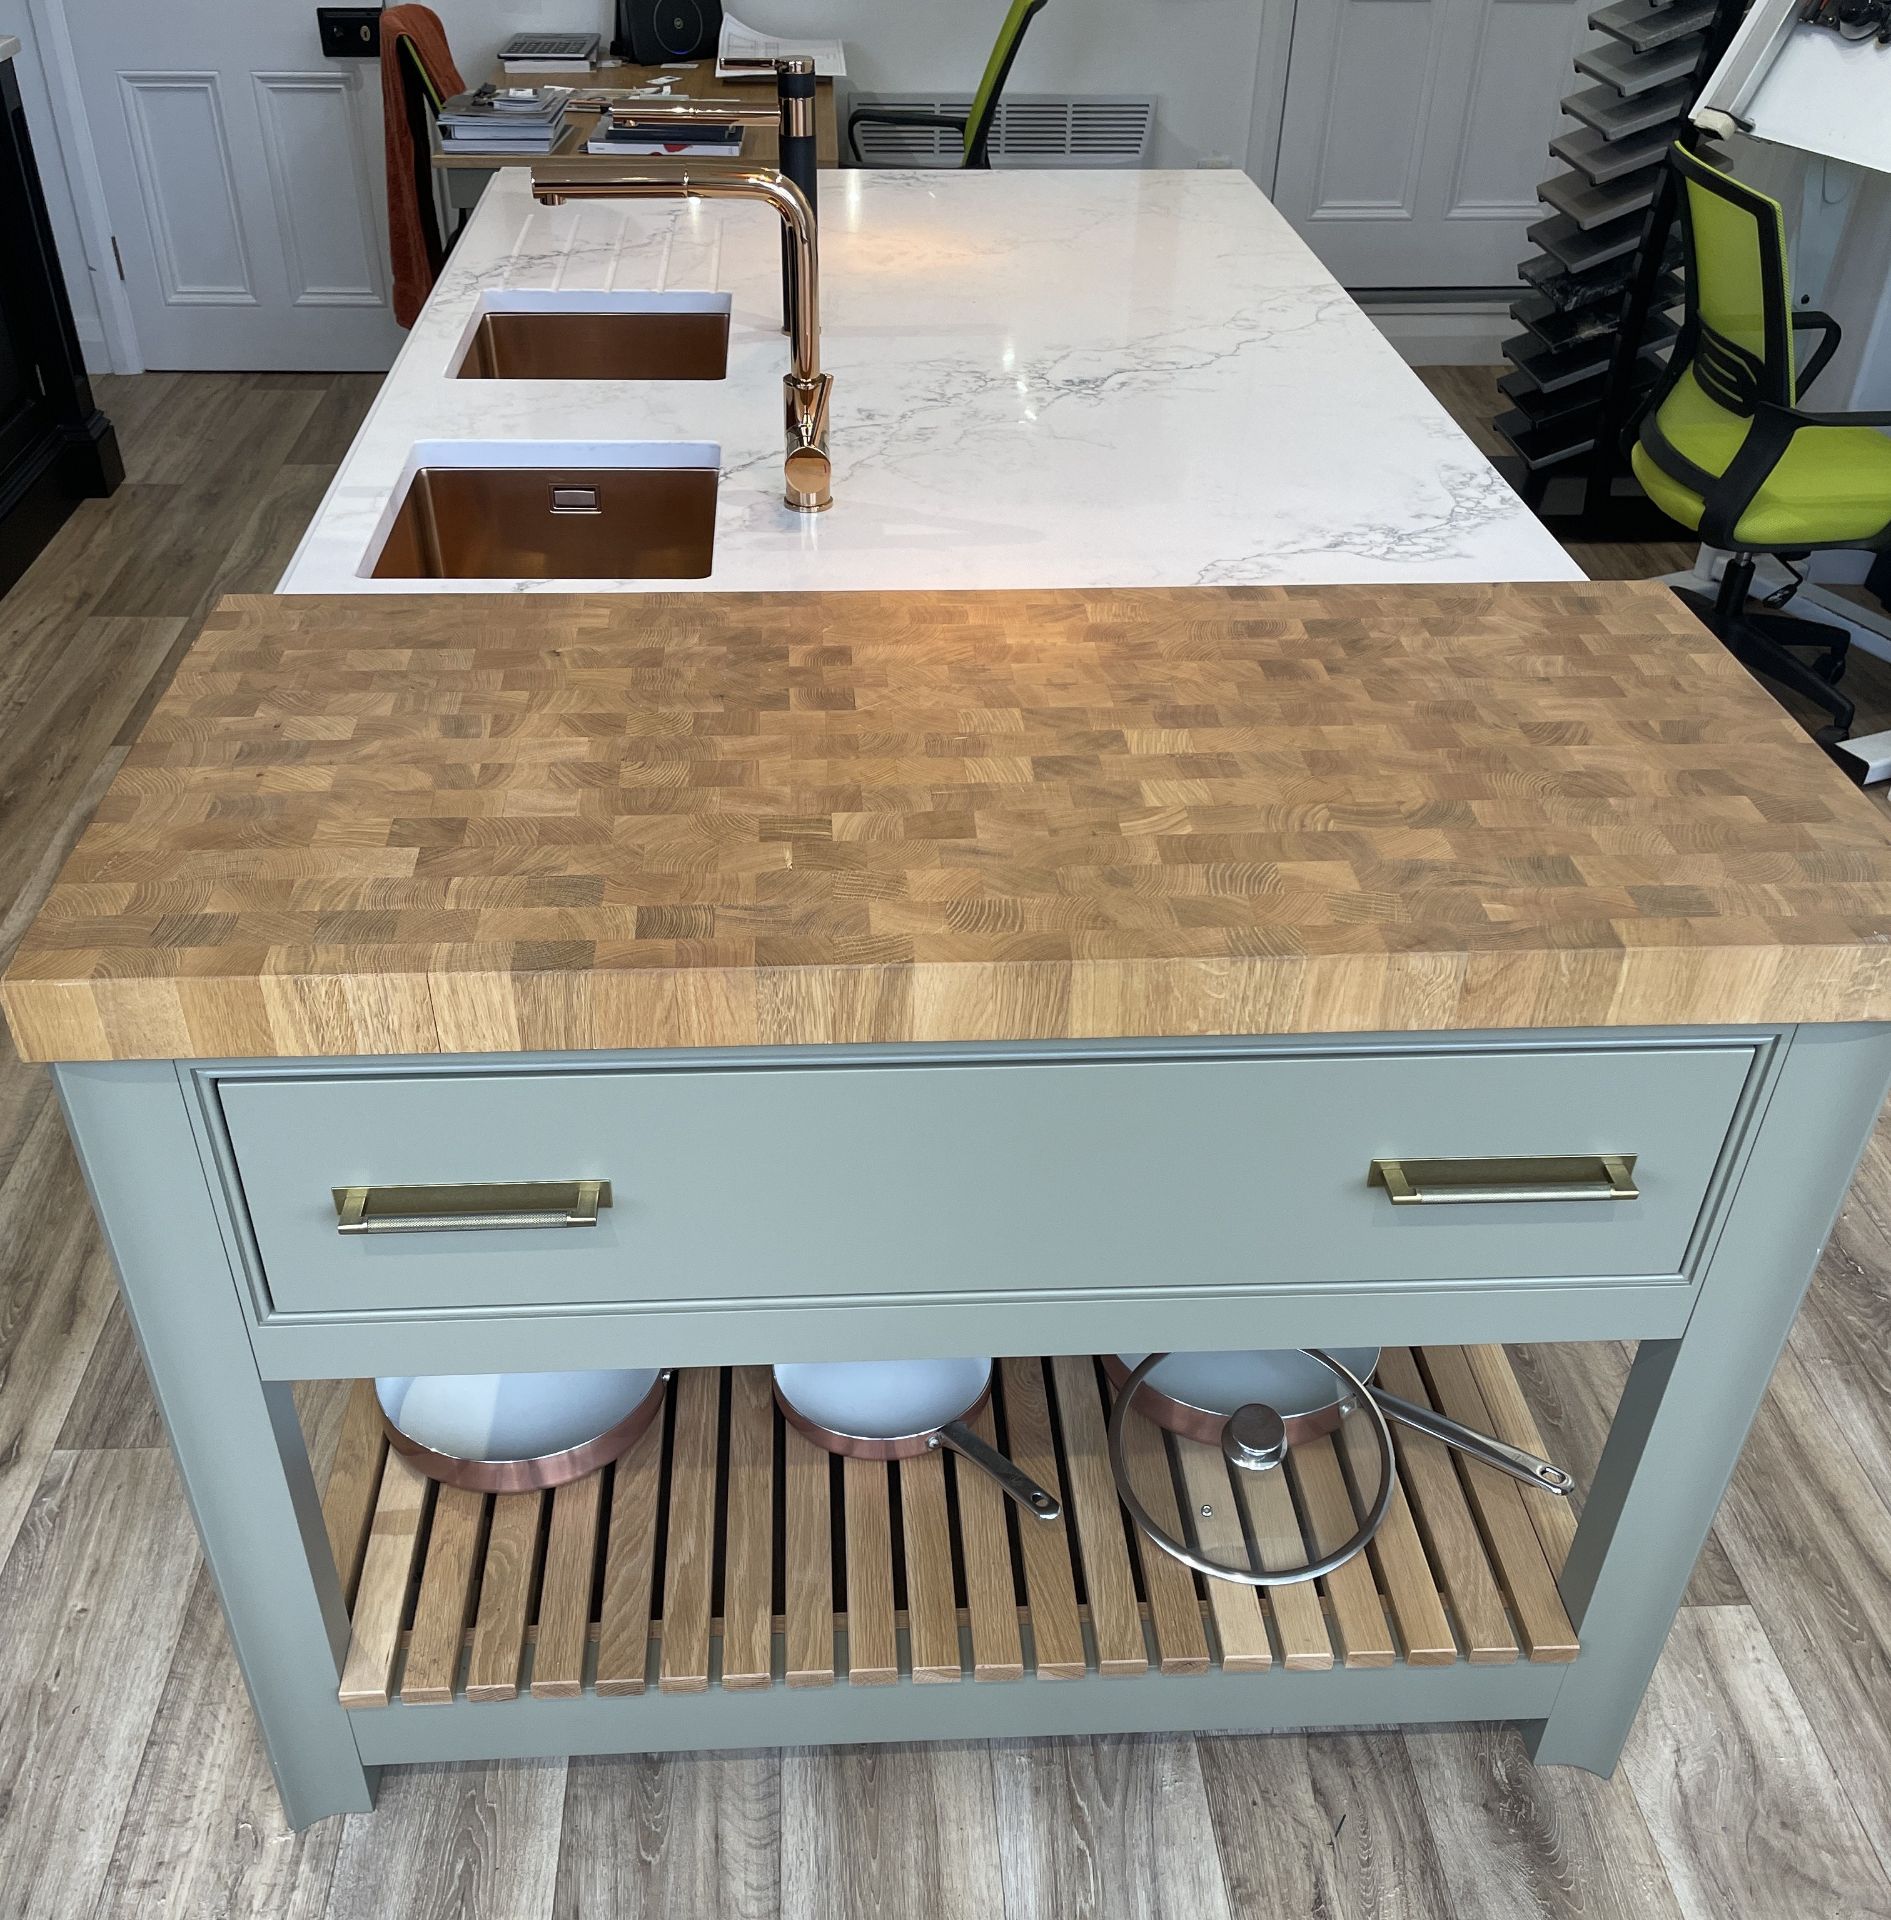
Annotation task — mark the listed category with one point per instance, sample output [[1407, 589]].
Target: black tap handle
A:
[[794, 88]]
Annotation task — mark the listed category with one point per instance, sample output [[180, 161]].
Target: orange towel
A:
[[409, 224]]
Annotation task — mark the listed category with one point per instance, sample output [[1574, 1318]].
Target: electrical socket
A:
[[349, 33], [1215, 160]]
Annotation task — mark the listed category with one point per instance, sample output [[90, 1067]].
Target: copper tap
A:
[[807, 470]]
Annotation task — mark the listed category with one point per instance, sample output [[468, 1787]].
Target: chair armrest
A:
[[1803, 321], [899, 117]]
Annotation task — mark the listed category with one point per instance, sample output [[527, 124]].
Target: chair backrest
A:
[[997, 70], [421, 96], [1737, 341]]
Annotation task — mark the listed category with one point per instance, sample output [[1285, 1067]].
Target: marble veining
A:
[[1081, 379]]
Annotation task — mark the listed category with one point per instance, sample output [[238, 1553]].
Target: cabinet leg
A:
[[238, 1442], [1688, 1404]]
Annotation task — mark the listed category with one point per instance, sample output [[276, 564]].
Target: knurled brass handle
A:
[[1476, 1182], [479, 1206]]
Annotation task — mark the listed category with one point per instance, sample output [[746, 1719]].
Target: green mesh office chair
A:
[[974, 128], [1726, 449]]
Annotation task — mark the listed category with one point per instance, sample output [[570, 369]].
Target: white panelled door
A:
[[243, 176], [1415, 132]]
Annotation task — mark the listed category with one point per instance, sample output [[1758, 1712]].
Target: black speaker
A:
[[652, 31]]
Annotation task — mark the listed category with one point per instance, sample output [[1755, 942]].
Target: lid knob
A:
[[1254, 1439]]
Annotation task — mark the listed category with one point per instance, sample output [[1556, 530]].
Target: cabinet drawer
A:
[[908, 1179]]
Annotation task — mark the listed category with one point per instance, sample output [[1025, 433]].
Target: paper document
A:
[[738, 42]]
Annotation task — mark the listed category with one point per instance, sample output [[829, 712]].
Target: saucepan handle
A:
[[1009, 1475], [1479, 1446]]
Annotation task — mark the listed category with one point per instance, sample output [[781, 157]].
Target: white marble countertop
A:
[[1081, 378], [9, 46]]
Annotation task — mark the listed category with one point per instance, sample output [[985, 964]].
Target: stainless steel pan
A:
[[1194, 1394], [899, 1409]]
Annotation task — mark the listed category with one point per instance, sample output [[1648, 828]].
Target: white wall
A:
[[30, 68]]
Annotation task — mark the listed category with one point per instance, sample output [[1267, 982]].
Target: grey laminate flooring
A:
[[1758, 1781]]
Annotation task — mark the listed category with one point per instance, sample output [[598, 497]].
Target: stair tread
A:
[[1618, 117], [1634, 73], [1592, 206]]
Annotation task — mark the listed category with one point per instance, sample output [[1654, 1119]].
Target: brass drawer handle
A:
[[1544, 1176], [504, 1203]]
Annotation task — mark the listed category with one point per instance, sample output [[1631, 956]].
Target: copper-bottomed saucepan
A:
[[1194, 1394], [899, 1409], [517, 1432]]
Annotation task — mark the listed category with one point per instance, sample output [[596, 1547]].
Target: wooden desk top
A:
[[431, 823], [760, 145]]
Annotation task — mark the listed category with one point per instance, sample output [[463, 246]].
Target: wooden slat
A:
[[1511, 1419], [810, 1577], [1215, 1522], [990, 1594], [1365, 1640], [1537, 1606], [689, 1548], [872, 1650], [353, 1480], [748, 1570], [1450, 1534], [1411, 1591], [564, 1604], [1174, 1606], [446, 1597], [1115, 1621], [1299, 1619], [1049, 1582], [629, 1564], [932, 1614], [505, 1596], [381, 1598]]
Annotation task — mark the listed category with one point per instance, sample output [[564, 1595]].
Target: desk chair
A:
[[1726, 449], [973, 127]]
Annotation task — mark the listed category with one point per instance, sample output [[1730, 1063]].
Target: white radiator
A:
[[1031, 130]]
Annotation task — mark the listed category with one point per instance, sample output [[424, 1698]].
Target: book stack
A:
[[549, 52], [504, 120], [666, 139]]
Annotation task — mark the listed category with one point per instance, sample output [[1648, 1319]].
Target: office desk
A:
[[466, 174]]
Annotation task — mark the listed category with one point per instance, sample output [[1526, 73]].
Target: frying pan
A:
[[899, 1409], [1194, 1394]]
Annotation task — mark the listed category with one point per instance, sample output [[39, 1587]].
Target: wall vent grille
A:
[[1031, 130]]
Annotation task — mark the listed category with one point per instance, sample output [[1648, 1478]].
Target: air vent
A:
[[1031, 130]]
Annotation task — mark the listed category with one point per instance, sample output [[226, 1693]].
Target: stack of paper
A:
[[738, 42]]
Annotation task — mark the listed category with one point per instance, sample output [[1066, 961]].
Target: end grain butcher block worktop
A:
[[420, 825]]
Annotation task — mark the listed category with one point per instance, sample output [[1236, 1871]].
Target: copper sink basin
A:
[[669, 341], [553, 523]]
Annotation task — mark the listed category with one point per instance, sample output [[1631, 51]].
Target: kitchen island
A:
[[1030, 974], [1041, 379]]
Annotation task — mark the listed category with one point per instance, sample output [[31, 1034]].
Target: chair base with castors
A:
[[1770, 643], [1726, 448]]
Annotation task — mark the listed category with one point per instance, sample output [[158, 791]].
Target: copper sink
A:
[[665, 343], [553, 523]]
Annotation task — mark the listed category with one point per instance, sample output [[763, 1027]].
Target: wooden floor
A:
[[1758, 1781]]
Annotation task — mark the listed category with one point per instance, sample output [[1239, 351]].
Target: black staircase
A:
[[1598, 311]]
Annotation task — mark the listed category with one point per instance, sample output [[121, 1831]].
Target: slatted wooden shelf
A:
[[725, 1550]]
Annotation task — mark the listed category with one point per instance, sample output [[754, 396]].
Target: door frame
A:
[[71, 131], [1268, 113]]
